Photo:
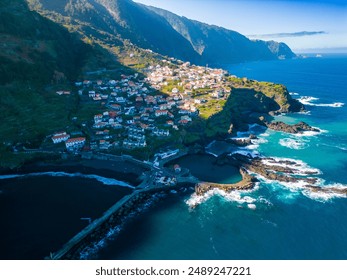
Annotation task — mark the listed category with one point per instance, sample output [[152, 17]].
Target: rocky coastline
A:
[[284, 171], [298, 128]]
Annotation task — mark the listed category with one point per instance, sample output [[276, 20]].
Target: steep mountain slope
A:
[[36, 57], [35, 49], [124, 20], [163, 31], [222, 45]]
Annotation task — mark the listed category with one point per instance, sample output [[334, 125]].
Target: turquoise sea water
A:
[[288, 222]]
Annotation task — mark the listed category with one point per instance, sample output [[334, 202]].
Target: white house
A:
[[75, 143], [60, 137], [159, 113], [161, 132]]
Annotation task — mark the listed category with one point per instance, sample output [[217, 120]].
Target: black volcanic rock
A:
[[298, 128]]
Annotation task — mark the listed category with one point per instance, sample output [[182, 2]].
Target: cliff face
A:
[[217, 44], [254, 102], [163, 31], [249, 102]]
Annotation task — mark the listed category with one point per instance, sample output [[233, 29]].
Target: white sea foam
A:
[[310, 133], [326, 196], [295, 186], [240, 138], [252, 206], [247, 152], [263, 200], [210, 153], [293, 143], [234, 196], [340, 147], [305, 113], [104, 180], [264, 134], [336, 105], [253, 147], [299, 166], [4, 177], [260, 140], [300, 187], [294, 93], [307, 100]]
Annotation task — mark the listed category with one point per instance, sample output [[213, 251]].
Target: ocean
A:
[[273, 221], [288, 222], [40, 212]]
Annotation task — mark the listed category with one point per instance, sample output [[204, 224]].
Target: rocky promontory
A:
[[298, 128], [285, 171]]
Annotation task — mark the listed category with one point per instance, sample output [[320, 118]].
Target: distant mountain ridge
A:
[[165, 32], [217, 43]]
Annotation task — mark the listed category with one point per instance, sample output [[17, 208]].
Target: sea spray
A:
[[307, 100], [104, 180]]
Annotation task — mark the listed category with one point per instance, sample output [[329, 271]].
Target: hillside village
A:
[[139, 111]]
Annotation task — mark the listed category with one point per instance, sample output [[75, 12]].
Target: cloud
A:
[[283, 35]]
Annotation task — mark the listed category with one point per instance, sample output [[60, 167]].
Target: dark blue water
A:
[[276, 221], [39, 214]]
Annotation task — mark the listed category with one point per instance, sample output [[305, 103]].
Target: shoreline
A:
[[130, 172], [119, 170]]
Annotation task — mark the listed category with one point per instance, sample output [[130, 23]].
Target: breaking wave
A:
[[293, 143], [239, 197], [300, 167], [300, 186], [309, 100], [104, 180]]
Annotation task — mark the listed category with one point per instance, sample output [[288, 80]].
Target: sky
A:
[[325, 22]]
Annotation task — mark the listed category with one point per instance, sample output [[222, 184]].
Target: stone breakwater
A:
[[248, 182], [115, 217]]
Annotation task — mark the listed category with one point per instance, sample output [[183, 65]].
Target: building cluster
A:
[[189, 78], [71, 144], [136, 111]]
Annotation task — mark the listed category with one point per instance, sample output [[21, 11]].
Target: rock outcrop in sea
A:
[[283, 171], [298, 128]]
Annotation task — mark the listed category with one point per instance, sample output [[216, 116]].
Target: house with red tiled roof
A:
[[159, 113], [75, 143], [60, 137]]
